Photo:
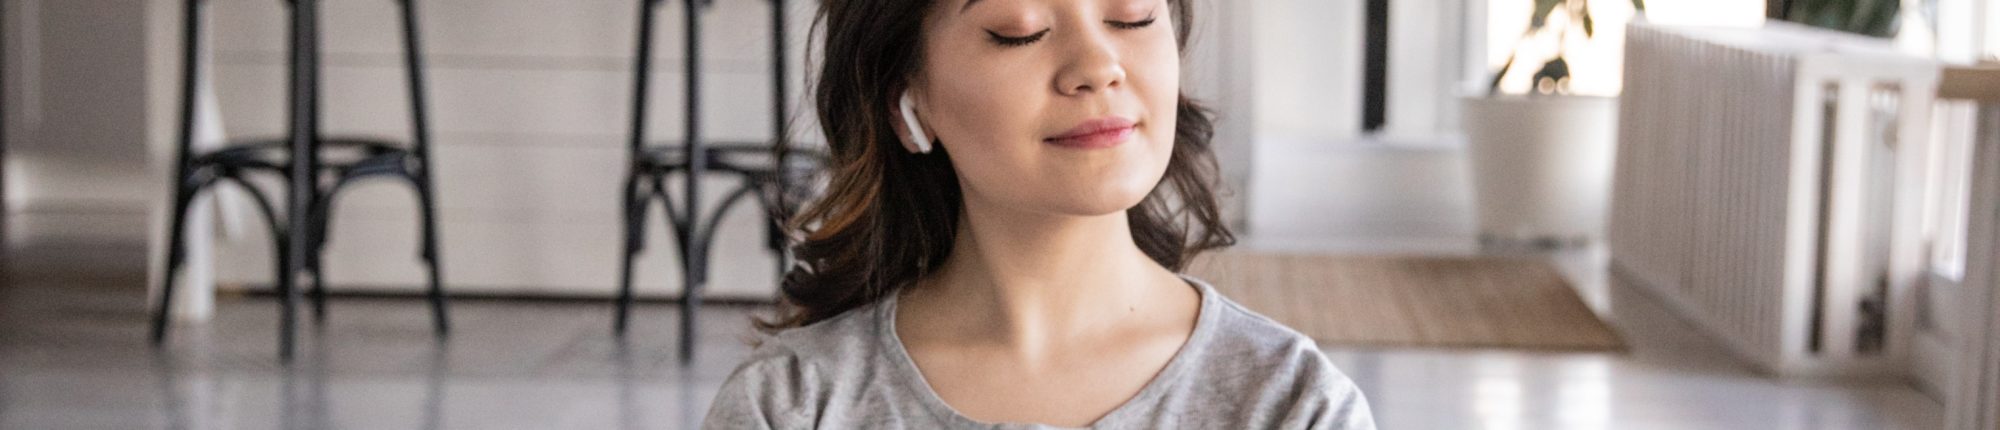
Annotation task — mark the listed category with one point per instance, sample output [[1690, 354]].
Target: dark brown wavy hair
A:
[[888, 217]]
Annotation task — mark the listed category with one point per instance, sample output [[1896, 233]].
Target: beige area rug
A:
[[1483, 302]]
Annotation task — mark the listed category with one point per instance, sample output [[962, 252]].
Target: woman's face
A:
[[1054, 106]]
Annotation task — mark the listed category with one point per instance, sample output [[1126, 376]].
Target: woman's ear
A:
[[909, 128]]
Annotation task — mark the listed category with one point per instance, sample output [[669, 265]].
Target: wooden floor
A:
[[73, 352]]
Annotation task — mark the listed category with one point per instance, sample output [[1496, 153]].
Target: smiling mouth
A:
[[1096, 133]]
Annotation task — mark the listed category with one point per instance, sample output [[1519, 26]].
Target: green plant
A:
[[1866, 17], [1553, 76]]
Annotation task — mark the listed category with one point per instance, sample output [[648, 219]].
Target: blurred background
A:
[[1492, 214]]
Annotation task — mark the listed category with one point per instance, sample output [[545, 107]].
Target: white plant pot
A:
[[1541, 167]]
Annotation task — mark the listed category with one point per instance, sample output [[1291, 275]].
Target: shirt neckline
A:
[[905, 368]]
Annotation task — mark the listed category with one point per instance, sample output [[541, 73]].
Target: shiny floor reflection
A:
[[73, 355], [1673, 378]]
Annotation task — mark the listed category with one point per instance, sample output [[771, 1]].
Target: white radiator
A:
[[1763, 191], [1972, 399]]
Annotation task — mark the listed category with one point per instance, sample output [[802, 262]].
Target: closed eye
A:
[[1131, 25], [1011, 41], [1017, 41]]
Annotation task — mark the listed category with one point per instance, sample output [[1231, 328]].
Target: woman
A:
[[1013, 186]]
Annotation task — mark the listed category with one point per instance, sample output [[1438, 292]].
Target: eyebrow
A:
[[968, 5]]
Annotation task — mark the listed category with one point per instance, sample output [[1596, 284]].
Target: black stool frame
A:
[[312, 182], [763, 174]]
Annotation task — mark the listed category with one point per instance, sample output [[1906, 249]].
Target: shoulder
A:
[[1263, 345], [1250, 354], [1265, 350], [792, 370], [832, 342]]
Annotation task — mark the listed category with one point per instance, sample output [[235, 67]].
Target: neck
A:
[[1028, 280]]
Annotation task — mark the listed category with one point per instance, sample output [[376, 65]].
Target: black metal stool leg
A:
[[693, 252], [635, 237], [318, 292], [303, 147], [690, 303], [440, 319], [422, 180], [688, 238], [319, 221], [287, 297], [774, 232], [634, 205], [182, 197]]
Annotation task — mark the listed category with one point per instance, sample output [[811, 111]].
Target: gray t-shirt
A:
[[1239, 370]]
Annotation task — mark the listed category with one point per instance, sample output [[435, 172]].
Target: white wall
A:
[[1426, 63], [75, 135], [1307, 59], [1306, 82]]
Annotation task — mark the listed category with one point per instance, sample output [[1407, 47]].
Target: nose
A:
[[1092, 66]]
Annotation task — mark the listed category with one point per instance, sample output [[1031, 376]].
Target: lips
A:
[[1095, 133]]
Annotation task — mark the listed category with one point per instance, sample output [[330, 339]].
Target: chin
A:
[[1104, 201], [1108, 186]]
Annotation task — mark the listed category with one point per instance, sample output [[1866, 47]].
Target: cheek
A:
[[1156, 83], [975, 100], [989, 117]]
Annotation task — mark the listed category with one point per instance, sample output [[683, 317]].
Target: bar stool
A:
[[313, 168], [772, 180]]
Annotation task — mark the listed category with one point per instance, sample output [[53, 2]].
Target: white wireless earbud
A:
[[910, 122]]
